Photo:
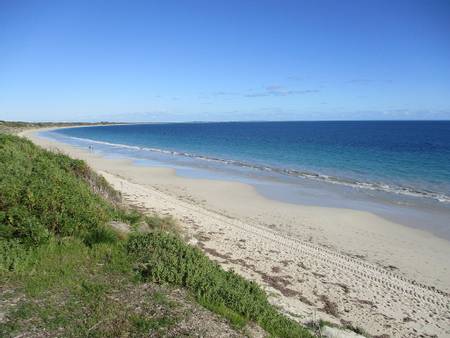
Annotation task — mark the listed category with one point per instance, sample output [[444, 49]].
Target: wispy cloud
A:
[[277, 90], [273, 113], [271, 90], [224, 93], [294, 78], [364, 81]]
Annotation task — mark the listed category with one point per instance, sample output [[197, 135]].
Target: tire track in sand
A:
[[396, 294]]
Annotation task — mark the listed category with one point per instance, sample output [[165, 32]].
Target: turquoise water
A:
[[398, 170], [409, 158]]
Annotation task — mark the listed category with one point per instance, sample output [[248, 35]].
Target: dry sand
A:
[[341, 265]]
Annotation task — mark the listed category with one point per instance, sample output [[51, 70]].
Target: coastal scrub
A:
[[65, 272]]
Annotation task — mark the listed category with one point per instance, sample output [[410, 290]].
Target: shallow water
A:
[[398, 193]]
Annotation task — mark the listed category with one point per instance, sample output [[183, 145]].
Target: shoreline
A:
[[289, 172], [240, 228], [424, 213]]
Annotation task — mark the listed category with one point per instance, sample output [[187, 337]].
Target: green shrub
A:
[[164, 258], [13, 256], [100, 235], [43, 193]]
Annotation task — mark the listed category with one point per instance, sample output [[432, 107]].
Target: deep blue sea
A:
[[403, 162]]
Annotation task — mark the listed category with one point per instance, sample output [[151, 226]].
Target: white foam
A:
[[374, 186]]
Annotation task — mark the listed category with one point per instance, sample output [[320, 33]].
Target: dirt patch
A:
[[286, 262], [243, 263], [213, 252], [344, 287], [329, 307], [279, 283], [305, 300], [391, 267], [276, 269], [319, 275], [170, 311], [202, 238], [366, 302], [303, 266]]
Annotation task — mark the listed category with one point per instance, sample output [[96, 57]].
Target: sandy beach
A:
[[341, 265]]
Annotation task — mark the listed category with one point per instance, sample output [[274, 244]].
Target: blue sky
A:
[[224, 60]]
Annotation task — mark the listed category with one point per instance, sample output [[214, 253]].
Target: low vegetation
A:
[[163, 257], [65, 272], [13, 127]]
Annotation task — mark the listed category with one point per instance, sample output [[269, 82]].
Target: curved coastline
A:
[[353, 183], [412, 210]]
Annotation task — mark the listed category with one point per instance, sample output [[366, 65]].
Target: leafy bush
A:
[[163, 257], [43, 193], [13, 255]]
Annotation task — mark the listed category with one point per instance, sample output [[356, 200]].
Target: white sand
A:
[[357, 266]]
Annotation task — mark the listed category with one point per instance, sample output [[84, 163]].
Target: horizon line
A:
[[228, 121]]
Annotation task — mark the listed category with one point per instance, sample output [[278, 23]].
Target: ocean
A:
[[382, 163]]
